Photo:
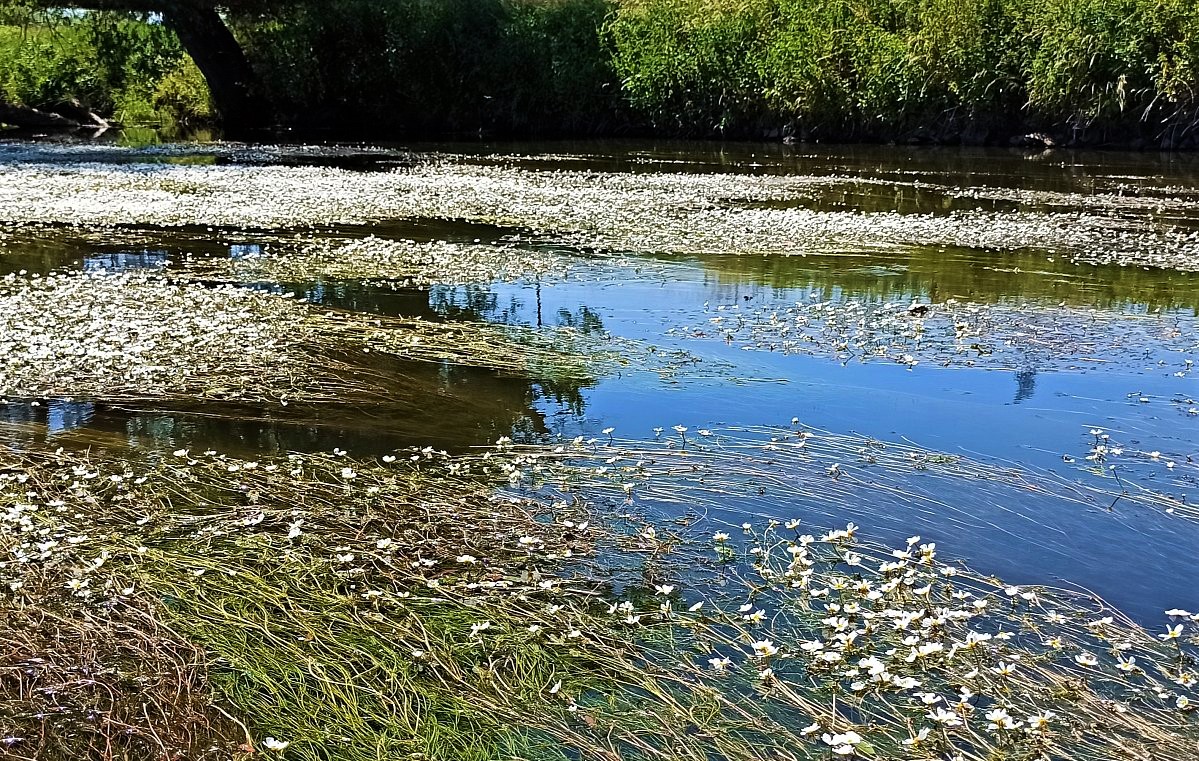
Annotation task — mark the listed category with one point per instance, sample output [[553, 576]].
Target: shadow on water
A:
[[450, 408], [1016, 168]]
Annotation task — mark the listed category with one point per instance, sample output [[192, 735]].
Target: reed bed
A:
[[136, 337], [513, 603], [954, 333]]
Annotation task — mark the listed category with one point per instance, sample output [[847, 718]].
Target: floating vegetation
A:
[[656, 213], [1136, 472], [697, 597], [428, 604], [409, 263], [955, 334], [751, 470], [137, 336]]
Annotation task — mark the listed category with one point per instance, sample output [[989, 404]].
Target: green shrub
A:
[[691, 66], [831, 69], [41, 66], [1113, 62], [182, 95], [111, 63]]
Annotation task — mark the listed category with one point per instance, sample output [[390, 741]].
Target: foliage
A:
[[182, 95], [886, 69], [39, 66], [863, 69], [112, 63]]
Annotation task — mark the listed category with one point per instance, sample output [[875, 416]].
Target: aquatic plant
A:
[[115, 683], [954, 333], [680, 214], [409, 263], [450, 606], [137, 336]]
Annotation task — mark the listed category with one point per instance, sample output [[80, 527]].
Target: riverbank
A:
[[1097, 73]]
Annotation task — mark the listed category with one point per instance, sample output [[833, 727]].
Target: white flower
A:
[[271, 743], [945, 718], [664, 589], [920, 737], [719, 664], [764, 648], [1172, 632], [1039, 722], [1086, 659], [842, 744], [479, 627], [1000, 720]]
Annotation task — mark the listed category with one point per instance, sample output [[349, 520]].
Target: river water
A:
[[1077, 274]]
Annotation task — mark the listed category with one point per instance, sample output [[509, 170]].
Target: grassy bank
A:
[[1095, 71]]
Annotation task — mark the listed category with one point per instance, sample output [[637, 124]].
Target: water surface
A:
[[1035, 409]]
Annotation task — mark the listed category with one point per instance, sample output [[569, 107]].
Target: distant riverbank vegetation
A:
[[974, 71]]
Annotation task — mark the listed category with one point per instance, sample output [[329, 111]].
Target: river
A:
[[1071, 280]]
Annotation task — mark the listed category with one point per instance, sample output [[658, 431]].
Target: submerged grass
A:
[[142, 337], [518, 603], [114, 683]]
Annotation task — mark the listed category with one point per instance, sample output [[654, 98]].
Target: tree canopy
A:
[[204, 35]]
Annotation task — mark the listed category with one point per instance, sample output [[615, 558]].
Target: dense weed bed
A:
[[523, 601]]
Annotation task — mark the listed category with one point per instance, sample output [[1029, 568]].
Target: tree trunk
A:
[[220, 59]]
